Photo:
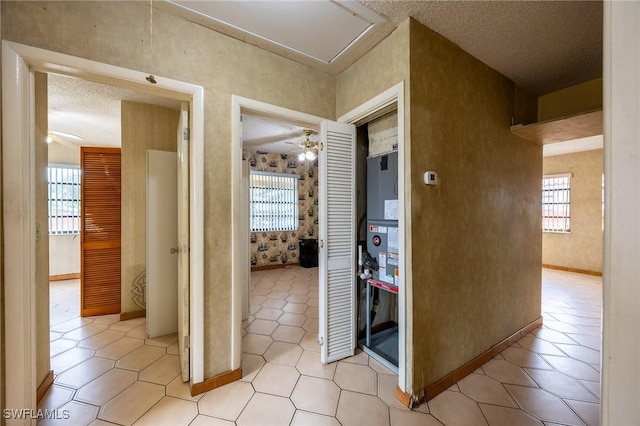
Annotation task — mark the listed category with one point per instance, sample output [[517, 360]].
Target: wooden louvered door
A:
[[100, 284]]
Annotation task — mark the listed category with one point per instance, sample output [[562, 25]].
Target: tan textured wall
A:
[[476, 236], [42, 243], [143, 127], [117, 33], [62, 154], [582, 248], [383, 67], [571, 100]]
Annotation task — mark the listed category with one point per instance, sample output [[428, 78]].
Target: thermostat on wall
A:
[[430, 178]]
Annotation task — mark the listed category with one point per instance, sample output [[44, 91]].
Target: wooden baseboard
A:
[[576, 270], [216, 381], [133, 314], [275, 266], [63, 277], [403, 397], [44, 387], [471, 366]]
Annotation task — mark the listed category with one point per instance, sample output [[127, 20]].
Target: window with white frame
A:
[[64, 199], [556, 203], [273, 204]]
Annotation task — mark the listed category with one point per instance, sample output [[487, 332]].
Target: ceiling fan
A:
[[309, 148]]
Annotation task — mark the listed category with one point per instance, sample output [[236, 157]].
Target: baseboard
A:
[[403, 397], [133, 314], [44, 387], [62, 277], [275, 266], [471, 366], [576, 270], [216, 381]]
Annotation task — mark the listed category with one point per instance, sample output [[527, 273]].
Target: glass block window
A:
[[273, 201], [64, 199], [556, 203]]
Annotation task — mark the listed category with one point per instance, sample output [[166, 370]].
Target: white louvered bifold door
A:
[[337, 242]]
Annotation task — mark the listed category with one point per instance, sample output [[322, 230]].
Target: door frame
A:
[[19, 62], [239, 105], [360, 115]]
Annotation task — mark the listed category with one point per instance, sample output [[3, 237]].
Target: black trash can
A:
[[308, 253]]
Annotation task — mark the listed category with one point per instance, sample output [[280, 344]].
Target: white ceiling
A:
[[541, 45], [575, 145], [267, 134]]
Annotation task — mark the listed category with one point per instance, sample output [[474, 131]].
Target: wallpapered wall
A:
[[272, 248]]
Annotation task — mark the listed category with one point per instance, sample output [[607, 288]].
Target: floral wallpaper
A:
[[271, 248]]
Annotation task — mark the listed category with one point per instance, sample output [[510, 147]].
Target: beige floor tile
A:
[[278, 295], [98, 422], [256, 299], [203, 420], [257, 291], [140, 358], [358, 409], [55, 397], [269, 314], [162, 341], [543, 405], [162, 371], [561, 385], [105, 387], [100, 340], [572, 367], [70, 358], [283, 353], [316, 395], [106, 319], [387, 385], [506, 372], [128, 324], [261, 326], [593, 342], [524, 358], [309, 365], [276, 379], [179, 389], [53, 336], [503, 416], [482, 388], [455, 408], [560, 326], [273, 303], [119, 348], [360, 357], [140, 332], [256, 343], [61, 345], [303, 418], [251, 365], [85, 331], [552, 336], [77, 412], [593, 387], [72, 322], [132, 403], [539, 346], [379, 368], [173, 349], [412, 418], [170, 412], [298, 298], [291, 319], [312, 312], [581, 353], [85, 372], [356, 378], [309, 342], [311, 324], [288, 334], [313, 302], [267, 410], [226, 402], [588, 412], [281, 287], [294, 308]]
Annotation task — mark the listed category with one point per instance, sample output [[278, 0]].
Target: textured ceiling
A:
[[268, 134], [541, 45]]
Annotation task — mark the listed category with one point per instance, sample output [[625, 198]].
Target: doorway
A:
[[19, 62]]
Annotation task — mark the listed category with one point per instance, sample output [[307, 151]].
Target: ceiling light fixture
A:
[[308, 147]]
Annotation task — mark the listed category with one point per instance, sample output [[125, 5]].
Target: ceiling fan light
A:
[[309, 155], [301, 157]]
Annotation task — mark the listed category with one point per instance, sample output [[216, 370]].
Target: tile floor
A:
[[106, 372]]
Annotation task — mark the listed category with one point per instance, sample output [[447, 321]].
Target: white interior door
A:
[[337, 223], [183, 241], [162, 243], [246, 249]]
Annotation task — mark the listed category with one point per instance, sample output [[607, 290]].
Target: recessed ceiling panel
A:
[[319, 29]]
